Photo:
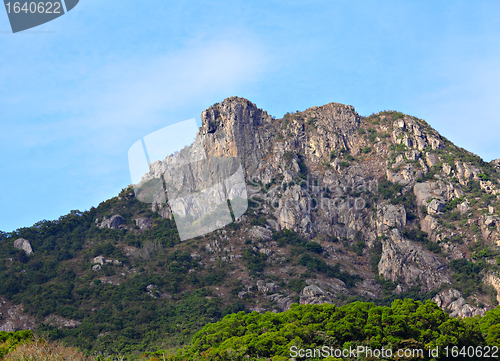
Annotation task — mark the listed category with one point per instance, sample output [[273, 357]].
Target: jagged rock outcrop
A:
[[12, 317], [283, 302], [23, 244], [390, 216], [61, 322], [452, 300], [144, 223], [114, 222], [266, 287], [403, 260], [258, 232], [496, 164], [494, 281]]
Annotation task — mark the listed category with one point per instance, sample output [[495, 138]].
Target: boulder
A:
[[143, 223], [435, 206], [268, 287], [389, 216], [114, 222], [266, 251], [283, 302], [489, 221], [258, 232], [23, 244], [431, 159], [452, 300], [96, 267], [314, 295], [463, 207]]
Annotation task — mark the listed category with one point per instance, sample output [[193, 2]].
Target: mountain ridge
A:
[[342, 207]]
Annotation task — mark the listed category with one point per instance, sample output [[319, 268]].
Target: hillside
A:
[[342, 208]]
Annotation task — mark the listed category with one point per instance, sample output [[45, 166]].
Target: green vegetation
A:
[[58, 279], [366, 150], [468, 276], [421, 237], [255, 261], [9, 340], [372, 135], [308, 258], [315, 264], [406, 323]]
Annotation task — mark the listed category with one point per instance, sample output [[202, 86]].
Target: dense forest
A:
[[405, 325]]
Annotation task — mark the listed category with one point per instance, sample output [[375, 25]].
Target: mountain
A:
[[342, 208]]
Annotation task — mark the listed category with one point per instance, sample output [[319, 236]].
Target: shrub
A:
[[366, 150], [40, 350], [314, 247]]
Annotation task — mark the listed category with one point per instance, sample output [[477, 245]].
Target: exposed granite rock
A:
[[301, 172], [431, 159], [283, 302], [12, 317], [494, 281], [452, 300], [143, 223], [113, 222], [463, 207], [390, 216], [101, 260], [496, 164], [314, 295], [404, 260], [258, 232], [268, 287], [23, 244], [61, 322], [435, 206]]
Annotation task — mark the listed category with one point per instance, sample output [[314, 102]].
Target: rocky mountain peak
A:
[[400, 202]]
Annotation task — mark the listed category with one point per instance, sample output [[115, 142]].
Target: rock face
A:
[[12, 317], [496, 163], [403, 260], [266, 287], [23, 244], [494, 281], [61, 322], [452, 300], [390, 216], [144, 223], [260, 233], [113, 222]]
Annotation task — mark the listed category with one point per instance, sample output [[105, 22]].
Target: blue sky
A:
[[77, 92]]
